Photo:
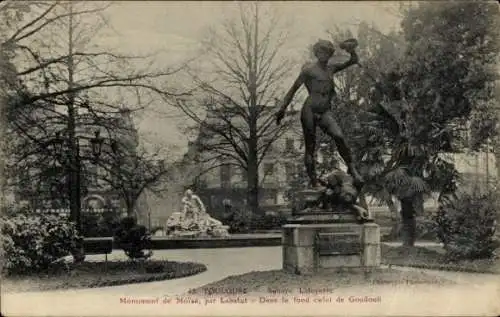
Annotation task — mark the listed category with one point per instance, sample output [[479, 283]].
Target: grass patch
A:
[[434, 258], [261, 281], [99, 274]]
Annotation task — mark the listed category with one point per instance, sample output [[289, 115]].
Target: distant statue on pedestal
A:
[[194, 219]]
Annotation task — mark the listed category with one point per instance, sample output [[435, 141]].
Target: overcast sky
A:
[[176, 28]]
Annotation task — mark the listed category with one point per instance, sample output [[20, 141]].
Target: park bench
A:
[[99, 245]]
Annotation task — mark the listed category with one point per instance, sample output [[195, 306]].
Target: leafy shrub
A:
[[466, 226], [108, 224], [133, 239], [238, 220], [99, 225], [244, 221], [14, 209], [89, 224], [268, 222], [426, 228], [31, 243]]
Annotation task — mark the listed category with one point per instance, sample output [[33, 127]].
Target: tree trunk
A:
[[496, 150], [252, 164], [253, 185], [395, 219], [74, 148], [497, 159], [130, 208], [408, 232], [3, 154]]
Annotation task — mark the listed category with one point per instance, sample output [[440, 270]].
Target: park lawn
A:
[[434, 258], [99, 274]]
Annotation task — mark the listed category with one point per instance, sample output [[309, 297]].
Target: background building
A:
[[97, 194], [281, 165]]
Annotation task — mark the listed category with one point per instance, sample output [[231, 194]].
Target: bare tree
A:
[[132, 173], [65, 81], [248, 67]]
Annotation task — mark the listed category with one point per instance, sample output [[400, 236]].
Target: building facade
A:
[[96, 192], [99, 193]]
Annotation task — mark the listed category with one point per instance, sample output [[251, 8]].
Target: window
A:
[[225, 176], [268, 169], [289, 145], [289, 171], [268, 198]]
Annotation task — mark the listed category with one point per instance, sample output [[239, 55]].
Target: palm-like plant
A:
[[397, 158], [413, 115]]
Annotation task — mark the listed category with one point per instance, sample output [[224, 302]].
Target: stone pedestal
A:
[[370, 237], [299, 256], [309, 247], [182, 226]]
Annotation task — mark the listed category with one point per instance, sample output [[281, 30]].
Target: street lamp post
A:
[[96, 144], [72, 163]]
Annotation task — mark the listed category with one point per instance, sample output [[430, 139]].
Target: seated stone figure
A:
[[340, 193], [192, 207], [194, 218]]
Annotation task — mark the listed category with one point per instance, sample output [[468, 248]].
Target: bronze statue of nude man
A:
[[317, 109]]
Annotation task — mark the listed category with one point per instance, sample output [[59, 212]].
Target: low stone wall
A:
[[234, 241]]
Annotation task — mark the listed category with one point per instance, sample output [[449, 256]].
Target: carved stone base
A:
[[308, 248]]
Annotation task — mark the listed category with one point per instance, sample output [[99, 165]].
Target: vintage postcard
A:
[[250, 158]]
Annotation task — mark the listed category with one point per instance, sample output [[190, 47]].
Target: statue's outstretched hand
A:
[[349, 45]]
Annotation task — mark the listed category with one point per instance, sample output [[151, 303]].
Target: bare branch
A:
[[247, 74], [19, 37], [14, 37]]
